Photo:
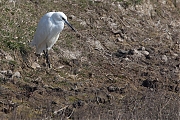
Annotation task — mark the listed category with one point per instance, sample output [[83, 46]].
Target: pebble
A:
[[60, 67], [72, 17], [138, 53], [119, 39], [112, 88], [8, 57], [83, 23], [35, 65], [127, 59], [143, 49], [98, 45], [145, 52], [164, 58]]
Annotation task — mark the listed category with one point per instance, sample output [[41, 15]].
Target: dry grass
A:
[[99, 73]]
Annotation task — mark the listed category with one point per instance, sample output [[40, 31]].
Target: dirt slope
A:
[[123, 63]]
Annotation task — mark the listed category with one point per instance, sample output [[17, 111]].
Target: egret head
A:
[[60, 16]]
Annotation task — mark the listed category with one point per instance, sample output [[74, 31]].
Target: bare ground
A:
[[123, 63]]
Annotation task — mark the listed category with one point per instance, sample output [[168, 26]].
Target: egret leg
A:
[[47, 58]]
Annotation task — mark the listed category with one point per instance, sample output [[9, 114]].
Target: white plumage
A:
[[48, 30]]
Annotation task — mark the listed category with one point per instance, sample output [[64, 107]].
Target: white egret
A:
[[47, 32]]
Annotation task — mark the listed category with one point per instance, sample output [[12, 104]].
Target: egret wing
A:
[[42, 33]]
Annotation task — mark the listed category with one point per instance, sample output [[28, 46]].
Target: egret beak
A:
[[69, 25]]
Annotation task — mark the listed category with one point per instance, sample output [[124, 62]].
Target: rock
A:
[[60, 67], [127, 59], [7, 73], [176, 55], [8, 57], [4, 71], [145, 53], [112, 89], [35, 65], [164, 58], [138, 53], [83, 23], [143, 48], [98, 45], [121, 53], [173, 54], [16, 74], [150, 83], [116, 89], [72, 17], [119, 39]]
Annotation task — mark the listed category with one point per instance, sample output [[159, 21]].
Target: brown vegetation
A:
[[122, 64]]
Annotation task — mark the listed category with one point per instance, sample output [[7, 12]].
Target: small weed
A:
[[27, 79], [12, 62], [69, 41], [83, 4], [55, 49], [14, 45], [72, 99], [63, 83]]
